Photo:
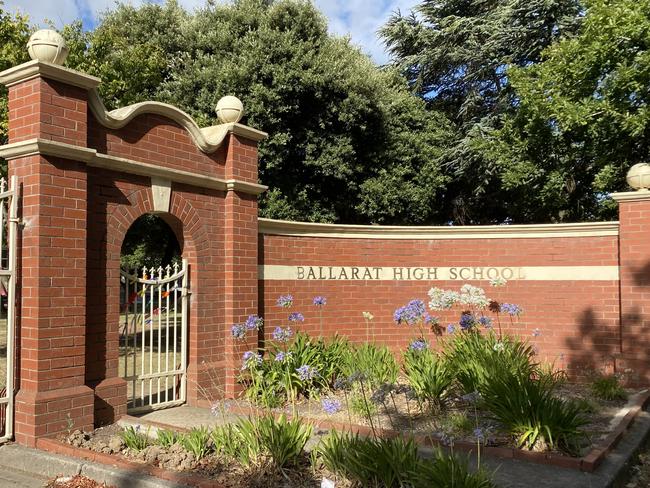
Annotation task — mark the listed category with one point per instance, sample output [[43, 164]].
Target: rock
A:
[[116, 444], [78, 438], [151, 454], [102, 447]]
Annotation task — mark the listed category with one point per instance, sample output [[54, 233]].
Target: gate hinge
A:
[[185, 292]]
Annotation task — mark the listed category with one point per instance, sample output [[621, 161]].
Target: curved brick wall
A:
[[576, 310]]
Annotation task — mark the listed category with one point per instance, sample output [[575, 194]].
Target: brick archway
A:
[[103, 335], [87, 175]]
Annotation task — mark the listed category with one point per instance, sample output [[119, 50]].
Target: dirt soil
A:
[[175, 458]]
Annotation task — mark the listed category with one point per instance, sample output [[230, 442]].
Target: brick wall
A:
[[578, 321]]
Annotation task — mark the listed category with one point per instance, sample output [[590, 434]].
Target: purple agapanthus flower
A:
[[331, 405], [238, 331], [285, 301], [296, 317], [467, 321], [418, 345], [306, 372], [280, 357], [253, 322], [412, 313], [511, 309], [282, 335], [451, 328], [251, 358], [479, 434], [485, 322], [319, 301]]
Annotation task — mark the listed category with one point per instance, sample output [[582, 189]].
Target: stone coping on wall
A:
[[93, 158], [306, 229]]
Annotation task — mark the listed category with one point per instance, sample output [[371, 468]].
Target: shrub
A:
[[134, 439], [476, 357], [196, 441], [447, 470], [362, 406], [227, 442], [375, 364], [249, 441], [429, 375], [531, 411], [607, 387], [284, 440], [275, 380], [393, 463], [457, 423], [166, 438], [367, 461]]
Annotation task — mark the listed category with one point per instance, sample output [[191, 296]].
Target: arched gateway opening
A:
[[153, 313]]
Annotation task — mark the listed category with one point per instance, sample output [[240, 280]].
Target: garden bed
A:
[[607, 423], [175, 463]]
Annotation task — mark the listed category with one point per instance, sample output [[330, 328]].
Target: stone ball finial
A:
[[48, 45], [639, 176], [230, 109]]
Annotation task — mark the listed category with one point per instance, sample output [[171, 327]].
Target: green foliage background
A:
[[490, 111]]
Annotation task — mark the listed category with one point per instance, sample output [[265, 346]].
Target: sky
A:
[[360, 19]]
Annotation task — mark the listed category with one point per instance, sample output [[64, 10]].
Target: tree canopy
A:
[[491, 111], [455, 54], [14, 34], [347, 142], [582, 117]]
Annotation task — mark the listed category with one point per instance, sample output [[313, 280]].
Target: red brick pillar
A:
[[241, 278], [48, 116], [634, 257]]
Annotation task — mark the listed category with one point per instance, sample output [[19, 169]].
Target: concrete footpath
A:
[[30, 468]]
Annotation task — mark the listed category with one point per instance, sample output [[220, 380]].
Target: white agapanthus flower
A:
[[442, 299], [473, 296]]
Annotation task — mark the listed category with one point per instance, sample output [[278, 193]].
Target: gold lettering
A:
[[432, 273], [507, 273], [342, 274], [461, 273], [355, 273], [418, 273], [311, 275], [478, 273], [398, 273], [301, 273]]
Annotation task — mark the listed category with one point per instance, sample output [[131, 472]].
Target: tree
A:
[[583, 116], [347, 140], [14, 34], [455, 54]]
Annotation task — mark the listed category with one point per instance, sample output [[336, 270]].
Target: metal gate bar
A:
[[152, 349], [8, 234]]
